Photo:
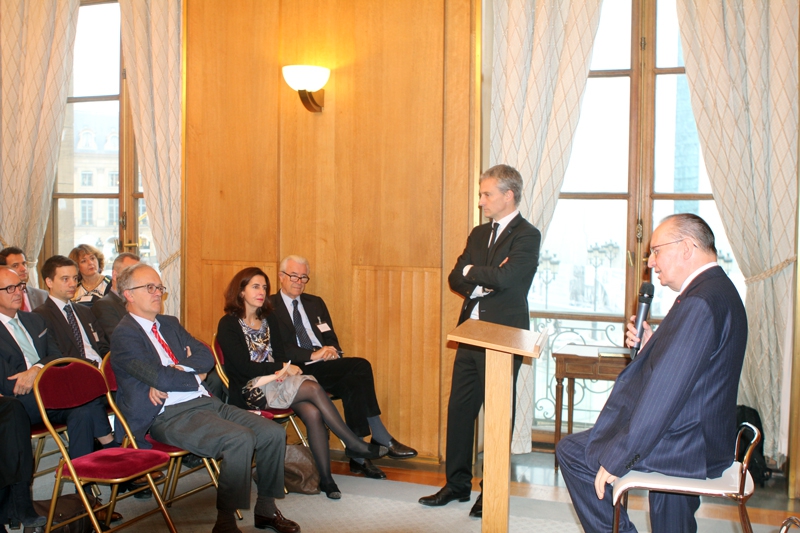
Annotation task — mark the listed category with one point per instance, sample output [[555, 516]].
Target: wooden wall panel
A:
[[232, 82], [216, 276], [396, 317]]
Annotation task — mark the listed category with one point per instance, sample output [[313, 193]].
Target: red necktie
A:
[[164, 344], [25, 306]]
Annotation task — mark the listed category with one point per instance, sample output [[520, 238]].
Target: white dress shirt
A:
[[87, 345], [306, 323]]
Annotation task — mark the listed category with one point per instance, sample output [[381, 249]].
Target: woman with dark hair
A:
[[92, 284], [248, 336]]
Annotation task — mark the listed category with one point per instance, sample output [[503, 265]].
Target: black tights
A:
[[316, 410]]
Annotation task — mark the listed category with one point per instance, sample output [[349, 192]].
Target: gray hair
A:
[[508, 179], [122, 257], [690, 226], [297, 259], [125, 278]]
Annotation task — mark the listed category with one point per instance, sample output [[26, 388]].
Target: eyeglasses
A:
[[151, 288], [654, 249], [11, 289], [295, 278]]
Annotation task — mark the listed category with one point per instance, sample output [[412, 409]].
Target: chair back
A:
[[744, 428], [67, 383], [108, 373], [219, 361]]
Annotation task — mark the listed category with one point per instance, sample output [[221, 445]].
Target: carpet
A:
[[374, 506]]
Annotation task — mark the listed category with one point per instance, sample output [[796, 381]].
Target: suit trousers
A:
[[669, 513], [84, 423], [351, 379], [16, 461], [209, 428], [466, 398]]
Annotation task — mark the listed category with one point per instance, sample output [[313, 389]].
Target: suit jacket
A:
[[62, 331], [238, 366], [317, 313], [673, 409], [507, 304], [109, 310], [36, 297], [12, 361], [138, 367]]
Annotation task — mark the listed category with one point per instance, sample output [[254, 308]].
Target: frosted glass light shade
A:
[[306, 77]]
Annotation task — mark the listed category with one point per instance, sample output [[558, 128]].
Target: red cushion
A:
[[162, 447], [68, 386], [119, 464], [264, 414]]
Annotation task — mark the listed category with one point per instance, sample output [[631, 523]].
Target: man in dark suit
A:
[[159, 367], [76, 330], [673, 409], [15, 258], [493, 275], [26, 346], [110, 309], [308, 336]]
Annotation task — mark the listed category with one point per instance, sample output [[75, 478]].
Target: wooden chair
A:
[[68, 383], [176, 455], [736, 483], [279, 415]]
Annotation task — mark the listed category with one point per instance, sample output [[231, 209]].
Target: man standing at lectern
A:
[[673, 409], [493, 275]]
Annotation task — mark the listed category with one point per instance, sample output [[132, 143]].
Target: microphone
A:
[[645, 299]]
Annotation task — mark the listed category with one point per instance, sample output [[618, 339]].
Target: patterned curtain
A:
[[36, 43], [741, 65], [151, 48], [542, 53]]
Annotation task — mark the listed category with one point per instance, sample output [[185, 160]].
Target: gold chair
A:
[[735, 483], [68, 383]]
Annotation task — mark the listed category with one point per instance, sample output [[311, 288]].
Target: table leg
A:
[[497, 441], [559, 404], [570, 403]]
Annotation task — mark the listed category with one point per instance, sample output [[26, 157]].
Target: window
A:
[[635, 159], [95, 137], [87, 213]]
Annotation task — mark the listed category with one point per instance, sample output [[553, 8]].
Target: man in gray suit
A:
[[110, 309], [159, 368], [14, 258]]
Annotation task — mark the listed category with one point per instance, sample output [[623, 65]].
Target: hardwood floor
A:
[[533, 476]]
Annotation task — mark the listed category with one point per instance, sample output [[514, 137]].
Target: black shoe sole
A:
[[364, 473], [439, 504]]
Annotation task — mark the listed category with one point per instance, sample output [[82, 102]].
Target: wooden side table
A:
[[574, 367]]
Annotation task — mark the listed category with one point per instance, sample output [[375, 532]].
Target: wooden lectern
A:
[[501, 343]]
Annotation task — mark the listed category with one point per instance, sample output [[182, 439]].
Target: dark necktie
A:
[[492, 240], [164, 344], [76, 331], [302, 334]]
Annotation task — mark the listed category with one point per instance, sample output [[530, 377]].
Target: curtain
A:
[[36, 44], [741, 67], [151, 48], [542, 52]]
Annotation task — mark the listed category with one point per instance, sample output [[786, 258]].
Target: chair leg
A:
[[297, 430], [160, 503], [744, 518]]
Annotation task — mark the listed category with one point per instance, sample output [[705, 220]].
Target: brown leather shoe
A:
[[102, 514], [142, 481], [276, 522]]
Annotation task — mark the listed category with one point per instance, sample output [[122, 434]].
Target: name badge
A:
[[323, 327]]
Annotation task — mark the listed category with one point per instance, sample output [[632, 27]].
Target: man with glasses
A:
[[309, 339], [26, 346], [14, 258], [673, 409], [159, 367]]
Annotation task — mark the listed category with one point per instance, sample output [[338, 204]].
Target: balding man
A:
[[159, 368], [673, 409]]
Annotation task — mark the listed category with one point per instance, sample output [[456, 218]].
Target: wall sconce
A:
[[308, 81]]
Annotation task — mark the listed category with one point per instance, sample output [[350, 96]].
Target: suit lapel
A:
[[283, 312], [312, 312], [10, 346], [509, 229], [39, 337]]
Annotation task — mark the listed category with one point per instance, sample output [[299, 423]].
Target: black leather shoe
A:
[[398, 450], [368, 469], [374, 451], [276, 522], [330, 489], [477, 509], [443, 497]]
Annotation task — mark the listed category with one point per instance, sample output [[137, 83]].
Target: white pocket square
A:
[[43, 333]]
